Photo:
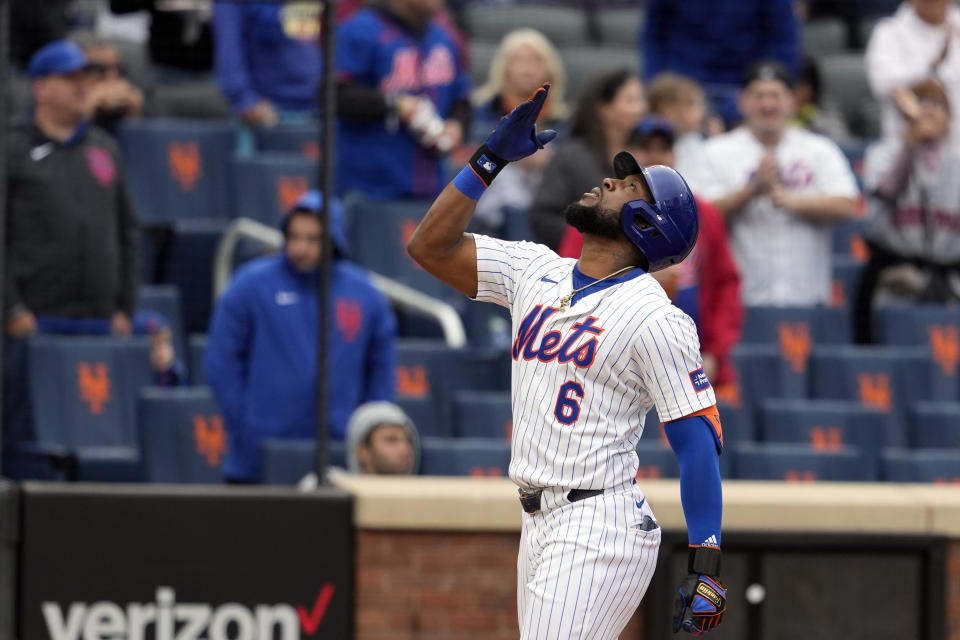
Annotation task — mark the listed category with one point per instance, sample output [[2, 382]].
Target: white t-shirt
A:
[[784, 259], [584, 379], [900, 52]]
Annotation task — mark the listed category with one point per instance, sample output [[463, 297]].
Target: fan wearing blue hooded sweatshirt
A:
[[261, 355]]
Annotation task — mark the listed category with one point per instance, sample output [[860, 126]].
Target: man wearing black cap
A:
[[779, 188], [72, 235]]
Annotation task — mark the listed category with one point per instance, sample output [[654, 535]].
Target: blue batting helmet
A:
[[671, 222]]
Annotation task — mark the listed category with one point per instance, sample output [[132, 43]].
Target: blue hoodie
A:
[[267, 51], [261, 355]]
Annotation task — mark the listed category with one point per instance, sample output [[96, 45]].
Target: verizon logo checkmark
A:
[[310, 622]]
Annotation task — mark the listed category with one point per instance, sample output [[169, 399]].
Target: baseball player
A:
[[596, 344]]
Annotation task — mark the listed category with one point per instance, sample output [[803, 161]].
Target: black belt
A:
[[530, 498]]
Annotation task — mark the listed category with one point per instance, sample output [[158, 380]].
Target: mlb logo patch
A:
[[699, 380], [488, 165]]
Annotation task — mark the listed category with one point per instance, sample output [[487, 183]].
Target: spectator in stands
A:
[[680, 101], [812, 110], [920, 41], [110, 97], [609, 109], [913, 203], [181, 41], [72, 236], [267, 60], [706, 286], [779, 188], [260, 359], [382, 440], [402, 99], [713, 41], [523, 62]]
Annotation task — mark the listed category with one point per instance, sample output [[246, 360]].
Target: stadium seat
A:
[[796, 329], [490, 22], [887, 378], [762, 373], [847, 240], [165, 300], [829, 425], [199, 99], [822, 36], [922, 465], [189, 265], [845, 83], [198, 346], [656, 461], [935, 425], [798, 463], [379, 232], [846, 279], [934, 327], [182, 435], [586, 62], [619, 27], [464, 457], [303, 140], [178, 168], [288, 461], [267, 185], [483, 414], [737, 423], [424, 416], [487, 325]]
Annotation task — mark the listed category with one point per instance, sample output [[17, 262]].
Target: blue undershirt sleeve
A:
[[696, 443]]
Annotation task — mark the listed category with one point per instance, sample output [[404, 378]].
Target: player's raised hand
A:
[[516, 135], [699, 604]]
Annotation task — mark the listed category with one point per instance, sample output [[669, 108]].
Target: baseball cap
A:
[[58, 57], [768, 70], [651, 127]]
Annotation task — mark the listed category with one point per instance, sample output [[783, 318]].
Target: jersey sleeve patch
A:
[[699, 380]]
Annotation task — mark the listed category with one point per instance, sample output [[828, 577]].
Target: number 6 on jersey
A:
[[568, 408]]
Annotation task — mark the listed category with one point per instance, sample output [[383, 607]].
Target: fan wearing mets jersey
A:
[[596, 345]]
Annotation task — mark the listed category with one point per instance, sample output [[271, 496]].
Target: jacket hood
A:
[[369, 415], [312, 201]]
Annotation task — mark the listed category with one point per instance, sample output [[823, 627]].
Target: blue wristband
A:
[[469, 183]]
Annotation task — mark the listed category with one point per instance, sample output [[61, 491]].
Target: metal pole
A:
[[327, 106], [4, 116]]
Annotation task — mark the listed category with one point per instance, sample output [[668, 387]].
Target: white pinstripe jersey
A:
[[584, 379]]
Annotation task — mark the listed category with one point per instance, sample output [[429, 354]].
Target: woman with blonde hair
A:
[[524, 60]]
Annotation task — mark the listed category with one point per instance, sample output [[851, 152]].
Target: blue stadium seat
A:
[[190, 266], [178, 168], [935, 327], [737, 423], [288, 461], [198, 347], [832, 325], [379, 232], [464, 457], [182, 435], [829, 425], [424, 415], [936, 425], [798, 463], [165, 300], [656, 461], [487, 325], [483, 414], [429, 368], [302, 140], [922, 465], [796, 330], [886, 378], [847, 240], [846, 279], [763, 373], [266, 186]]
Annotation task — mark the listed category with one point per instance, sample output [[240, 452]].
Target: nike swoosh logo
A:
[[641, 503], [546, 279]]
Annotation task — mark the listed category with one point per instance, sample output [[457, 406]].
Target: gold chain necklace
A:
[[565, 300]]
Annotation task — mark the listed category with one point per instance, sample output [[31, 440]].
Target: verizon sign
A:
[[242, 564]]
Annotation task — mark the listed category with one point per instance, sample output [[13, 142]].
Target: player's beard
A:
[[593, 220]]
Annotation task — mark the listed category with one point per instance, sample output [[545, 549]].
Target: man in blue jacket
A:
[[261, 361]]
